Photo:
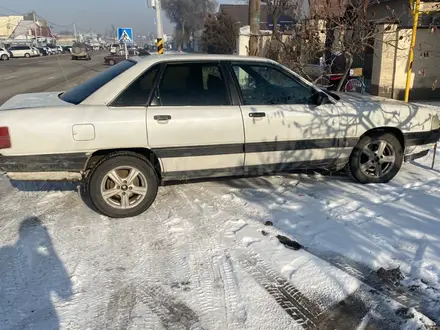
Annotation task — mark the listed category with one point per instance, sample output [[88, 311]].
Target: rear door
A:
[[284, 128], [193, 125]]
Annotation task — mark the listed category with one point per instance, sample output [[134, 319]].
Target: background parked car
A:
[[43, 51], [4, 54], [21, 51], [36, 51], [67, 49], [52, 49]]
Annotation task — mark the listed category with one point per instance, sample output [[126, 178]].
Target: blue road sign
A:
[[125, 35]]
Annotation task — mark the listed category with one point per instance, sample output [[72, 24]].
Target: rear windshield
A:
[[79, 93]]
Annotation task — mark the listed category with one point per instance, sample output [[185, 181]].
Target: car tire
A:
[[377, 158], [99, 181], [27, 55], [73, 58], [111, 62], [5, 57]]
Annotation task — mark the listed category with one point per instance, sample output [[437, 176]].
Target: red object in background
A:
[[5, 138]]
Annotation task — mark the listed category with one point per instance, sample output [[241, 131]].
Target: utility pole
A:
[[35, 27], [254, 21], [156, 4], [416, 5], [74, 31]]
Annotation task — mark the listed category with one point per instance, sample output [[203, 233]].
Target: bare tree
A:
[[220, 34], [347, 27], [186, 14]]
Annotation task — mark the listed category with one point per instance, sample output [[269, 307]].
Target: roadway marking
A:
[[51, 78], [11, 77]]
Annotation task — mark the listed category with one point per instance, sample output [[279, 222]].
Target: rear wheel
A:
[[111, 62], [122, 185], [377, 158]]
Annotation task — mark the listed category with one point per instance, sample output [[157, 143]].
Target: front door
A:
[[192, 125], [284, 128]]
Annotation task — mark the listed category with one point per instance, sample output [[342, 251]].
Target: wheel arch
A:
[[145, 152], [387, 129]]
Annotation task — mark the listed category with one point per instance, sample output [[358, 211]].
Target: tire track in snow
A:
[[203, 261], [291, 300], [120, 307], [173, 313], [235, 312]]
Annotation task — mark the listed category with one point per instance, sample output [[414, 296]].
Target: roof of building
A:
[[31, 28]]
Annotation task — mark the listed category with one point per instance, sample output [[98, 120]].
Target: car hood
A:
[[365, 98], [365, 101], [34, 100]]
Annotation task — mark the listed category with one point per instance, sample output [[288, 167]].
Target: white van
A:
[[22, 51]]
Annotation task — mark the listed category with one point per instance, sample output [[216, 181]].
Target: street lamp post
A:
[[156, 4]]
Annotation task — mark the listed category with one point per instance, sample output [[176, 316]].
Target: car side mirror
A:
[[322, 98]]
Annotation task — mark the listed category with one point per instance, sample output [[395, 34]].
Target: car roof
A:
[[176, 56]]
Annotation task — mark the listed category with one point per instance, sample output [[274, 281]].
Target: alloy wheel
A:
[[124, 187], [377, 159]]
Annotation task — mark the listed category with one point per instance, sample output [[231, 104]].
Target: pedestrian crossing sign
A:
[[125, 35]]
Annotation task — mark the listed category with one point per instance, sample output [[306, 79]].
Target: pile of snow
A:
[[208, 255]]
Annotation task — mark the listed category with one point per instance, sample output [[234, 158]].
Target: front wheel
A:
[[111, 62], [5, 57], [323, 82], [27, 55], [377, 158], [122, 185], [355, 85]]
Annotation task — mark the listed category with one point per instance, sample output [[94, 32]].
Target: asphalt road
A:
[[48, 73]]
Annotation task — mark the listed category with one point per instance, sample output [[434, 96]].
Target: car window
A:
[[192, 84], [79, 93], [138, 93], [266, 85]]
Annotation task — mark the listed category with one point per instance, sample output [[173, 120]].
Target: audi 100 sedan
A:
[[174, 117]]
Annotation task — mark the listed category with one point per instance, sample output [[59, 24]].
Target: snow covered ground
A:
[[207, 256]]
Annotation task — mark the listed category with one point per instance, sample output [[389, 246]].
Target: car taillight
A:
[[5, 138]]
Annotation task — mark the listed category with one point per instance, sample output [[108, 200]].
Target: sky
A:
[[96, 14]]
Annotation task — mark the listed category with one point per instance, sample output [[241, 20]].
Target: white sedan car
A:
[[174, 117], [4, 54]]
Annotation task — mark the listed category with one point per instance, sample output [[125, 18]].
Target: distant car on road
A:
[[81, 51], [22, 51], [114, 48], [176, 117], [115, 59], [4, 54]]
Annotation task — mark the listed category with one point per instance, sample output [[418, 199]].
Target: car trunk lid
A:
[[34, 100]]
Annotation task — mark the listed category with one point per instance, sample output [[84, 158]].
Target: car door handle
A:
[[162, 117], [257, 114]]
